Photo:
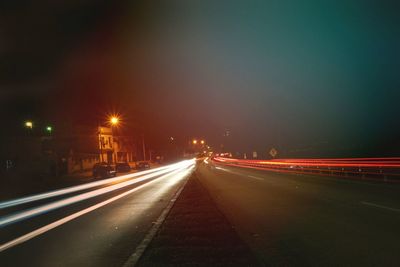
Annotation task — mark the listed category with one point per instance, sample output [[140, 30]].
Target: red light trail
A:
[[367, 168]]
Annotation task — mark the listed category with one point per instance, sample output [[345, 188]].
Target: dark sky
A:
[[290, 74]]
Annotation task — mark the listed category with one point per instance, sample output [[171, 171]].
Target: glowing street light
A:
[[194, 142], [114, 120], [29, 124], [202, 142], [49, 129]]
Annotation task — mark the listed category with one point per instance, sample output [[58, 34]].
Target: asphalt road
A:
[[105, 236], [300, 220]]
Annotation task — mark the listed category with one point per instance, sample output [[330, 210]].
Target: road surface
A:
[[286, 220], [300, 220], [103, 230]]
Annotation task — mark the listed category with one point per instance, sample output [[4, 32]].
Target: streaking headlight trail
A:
[[23, 200], [174, 176], [74, 199]]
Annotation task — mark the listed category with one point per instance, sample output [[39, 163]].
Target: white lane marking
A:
[[223, 169], [23, 200], [379, 206], [240, 174], [255, 177], [64, 220], [135, 257]]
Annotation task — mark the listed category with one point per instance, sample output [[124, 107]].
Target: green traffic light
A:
[[49, 129]]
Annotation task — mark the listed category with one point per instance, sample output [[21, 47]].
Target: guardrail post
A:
[[384, 175], [362, 174]]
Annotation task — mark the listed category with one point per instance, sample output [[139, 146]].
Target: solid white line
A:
[[64, 220], [255, 177], [239, 174], [379, 206], [223, 169], [135, 257]]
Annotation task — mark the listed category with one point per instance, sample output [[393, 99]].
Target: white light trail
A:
[[182, 172], [19, 201], [74, 199]]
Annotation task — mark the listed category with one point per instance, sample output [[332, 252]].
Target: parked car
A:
[[142, 165], [122, 167], [103, 170]]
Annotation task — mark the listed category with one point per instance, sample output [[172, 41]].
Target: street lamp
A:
[[194, 142], [29, 124], [202, 142], [49, 129], [114, 120]]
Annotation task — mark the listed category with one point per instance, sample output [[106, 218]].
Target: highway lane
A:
[[100, 231], [300, 220]]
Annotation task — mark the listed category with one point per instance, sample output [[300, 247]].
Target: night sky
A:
[[289, 74]]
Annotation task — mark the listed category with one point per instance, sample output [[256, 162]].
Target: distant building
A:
[[70, 149], [106, 144], [125, 149], [115, 148], [23, 154], [76, 148]]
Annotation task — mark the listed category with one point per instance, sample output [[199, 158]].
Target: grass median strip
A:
[[196, 233]]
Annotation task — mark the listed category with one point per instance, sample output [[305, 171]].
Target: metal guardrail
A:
[[377, 169]]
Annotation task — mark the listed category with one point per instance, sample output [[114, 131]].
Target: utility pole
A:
[[100, 141], [144, 148]]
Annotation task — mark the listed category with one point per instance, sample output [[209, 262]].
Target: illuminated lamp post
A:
[[49, 129], [29, 124], [114, 122]]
